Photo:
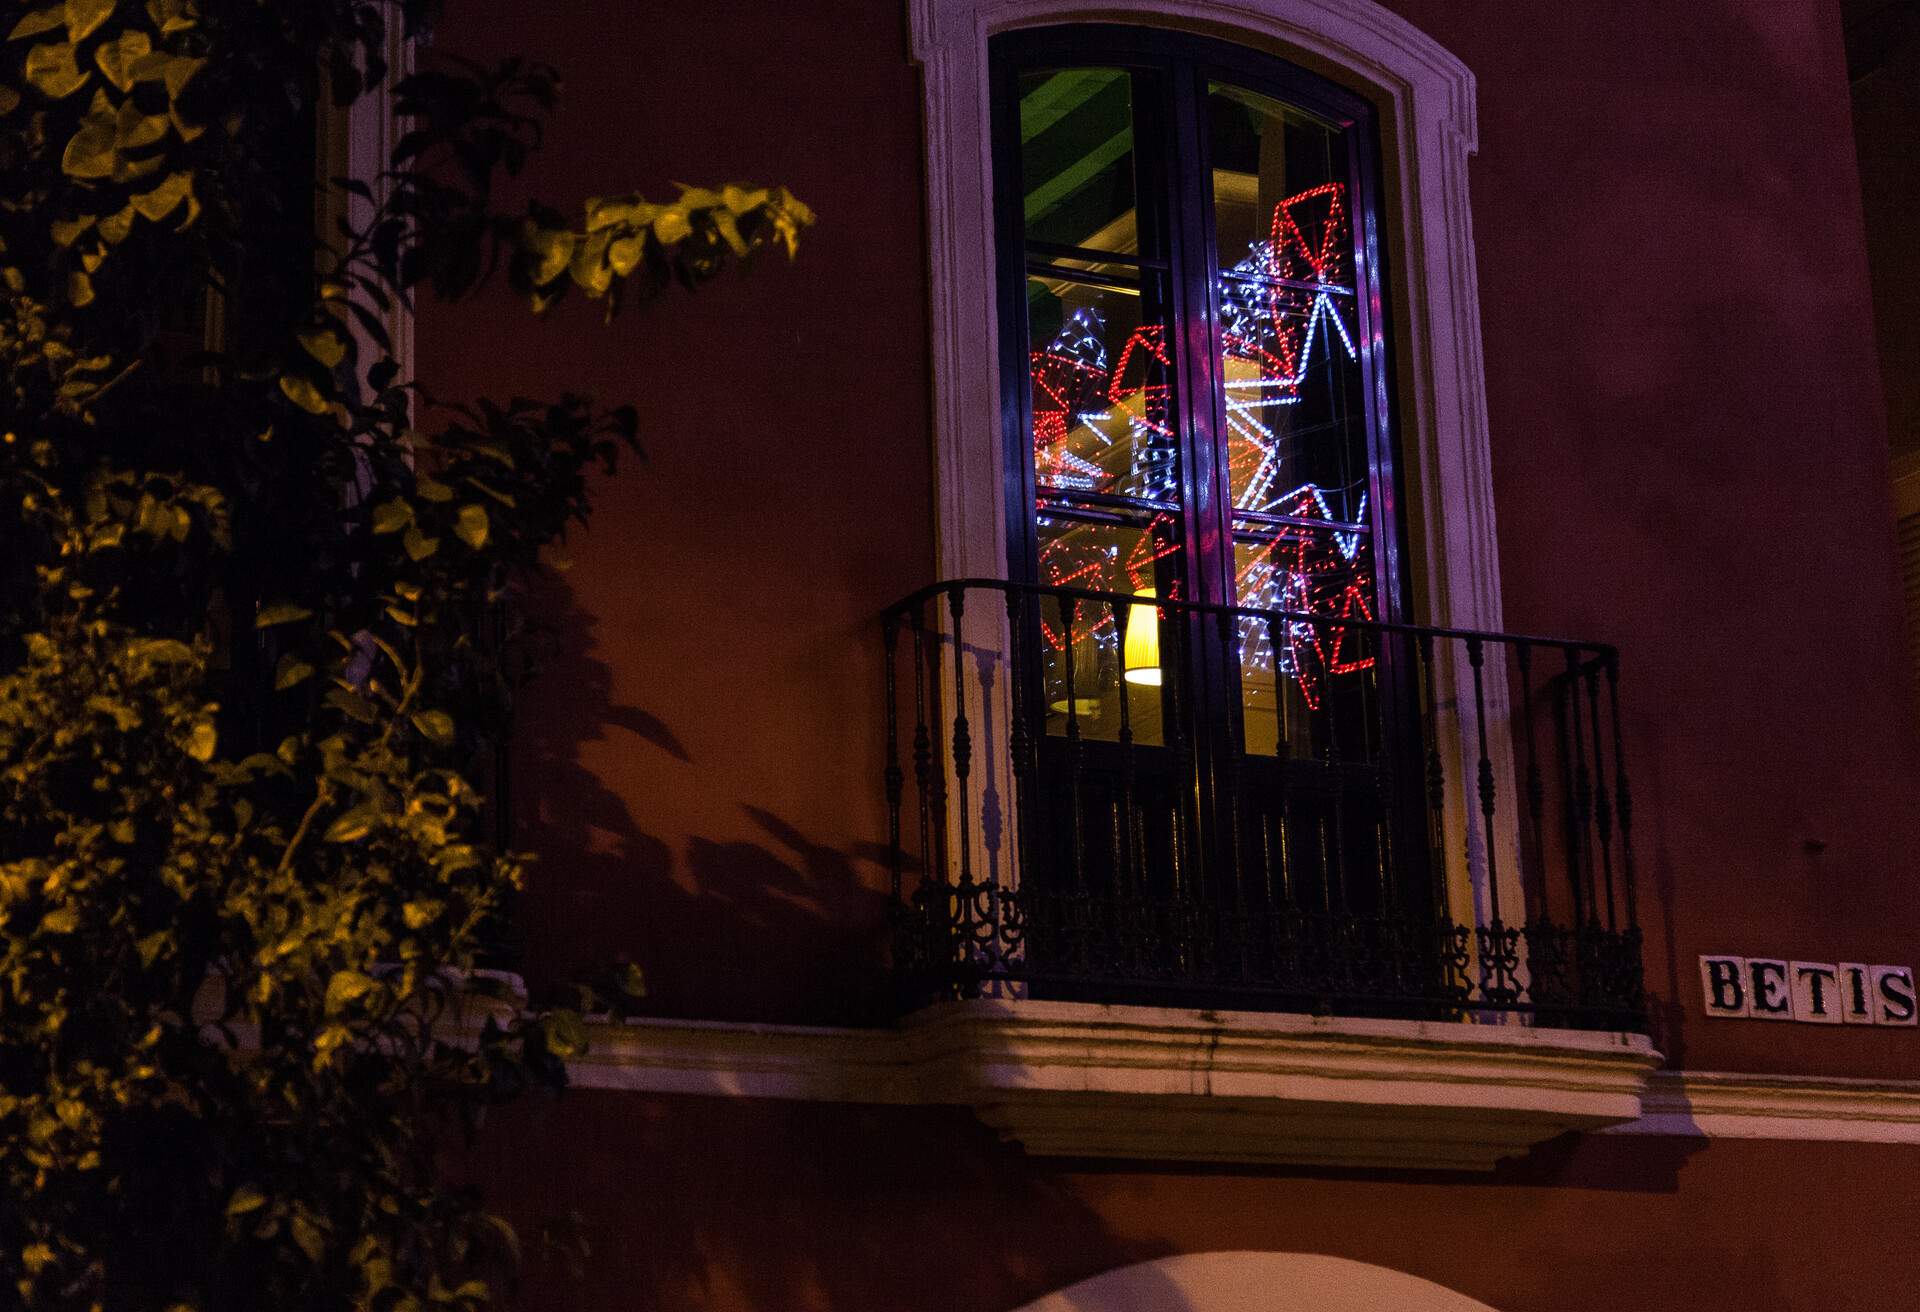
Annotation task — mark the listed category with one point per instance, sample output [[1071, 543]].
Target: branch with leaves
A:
[[250, 664]]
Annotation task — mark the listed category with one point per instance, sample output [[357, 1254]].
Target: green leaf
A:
[[419, 546], [117, 57], [52, 72], [350, 704], [434, 490], [178, 72], [418, 914], [245, 1199], [115, 227], [303, 393], [40, 20], [284, 612], [346, 988], [67, 231], [290, 671], [355, 824], [392, 516], [201, 741], [564, 1034], [552, 250], [434, 726], [672, 226], [471, 526], [85, 16], [165, 199], [307, 1235], [61, 920], [133, 130], [325, 346]]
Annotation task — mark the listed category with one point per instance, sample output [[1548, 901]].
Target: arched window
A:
[[1211, 705], [1193, 364]]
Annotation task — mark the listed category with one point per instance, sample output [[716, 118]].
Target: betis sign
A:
[[1814, 992]]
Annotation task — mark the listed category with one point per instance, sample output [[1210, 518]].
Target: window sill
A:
[[1079, 1080]]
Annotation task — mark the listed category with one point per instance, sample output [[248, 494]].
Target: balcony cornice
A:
[[1087, 1080]]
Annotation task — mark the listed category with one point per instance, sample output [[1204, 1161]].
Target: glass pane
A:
[[1076, 158], [1279, 190], [1296, 440], [1101, 420], [1307, 675], [1087, 665]]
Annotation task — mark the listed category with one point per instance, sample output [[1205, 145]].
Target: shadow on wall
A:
[[731, 911], [731, 1205]]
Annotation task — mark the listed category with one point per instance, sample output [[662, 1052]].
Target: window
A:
[[1167, 728], [1193, 363]]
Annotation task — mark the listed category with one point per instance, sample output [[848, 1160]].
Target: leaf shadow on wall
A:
[[739, 913], [728, 1204]]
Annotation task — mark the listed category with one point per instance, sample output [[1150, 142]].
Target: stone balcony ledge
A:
[[1090, 1080]]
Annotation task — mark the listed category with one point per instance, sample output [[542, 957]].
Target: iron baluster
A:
[[1602, 804], [922, 745], [895, 777], [1436, 795], [1535, 784], [1622, 798], [1126, 856], [1122, 938], [1020, 736], [1076, 853], [962, 749], [1579, 855]]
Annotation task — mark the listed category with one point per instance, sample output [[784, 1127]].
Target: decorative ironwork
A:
[[1208, 836]]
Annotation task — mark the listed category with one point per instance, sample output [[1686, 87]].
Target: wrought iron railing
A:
[[1262, 809]]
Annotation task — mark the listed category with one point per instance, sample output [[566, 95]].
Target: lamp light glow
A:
[[1141, 661]]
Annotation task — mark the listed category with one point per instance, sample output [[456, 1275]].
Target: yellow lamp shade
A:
[[1140, 661]]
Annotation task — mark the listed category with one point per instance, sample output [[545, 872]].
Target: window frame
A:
[[1424, 99], [1183, 65]]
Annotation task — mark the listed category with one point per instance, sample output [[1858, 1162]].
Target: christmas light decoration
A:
[[1107, 426]]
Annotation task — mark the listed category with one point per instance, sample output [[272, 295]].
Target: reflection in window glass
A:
[[1290, 370], [1100, 417], [1076, 157], [1139, 560]]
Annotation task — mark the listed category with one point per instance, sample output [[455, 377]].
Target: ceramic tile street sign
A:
[[1811, 992]]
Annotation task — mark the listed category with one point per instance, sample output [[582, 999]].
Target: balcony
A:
[[1144, 812]]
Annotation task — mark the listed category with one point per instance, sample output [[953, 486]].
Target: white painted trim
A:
[[1194, 1054], [1255, 1282], [1075, 1079], [1425, 99], [1719, 1105]]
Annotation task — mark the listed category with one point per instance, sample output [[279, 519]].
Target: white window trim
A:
[[1425, 100]]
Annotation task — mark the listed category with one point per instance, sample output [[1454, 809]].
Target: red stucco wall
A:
[[1689, 460], [726, 1206], [699, 768]]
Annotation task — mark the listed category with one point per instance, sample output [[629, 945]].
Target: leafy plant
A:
[[250, 663]]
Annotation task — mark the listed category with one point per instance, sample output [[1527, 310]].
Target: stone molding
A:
[[1725, 1105], [1138, 1082], [1086, 1080]]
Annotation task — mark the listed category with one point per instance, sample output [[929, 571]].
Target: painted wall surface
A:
[[1886, 121], [1689, 459], [699, 766], [726, 1205]]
